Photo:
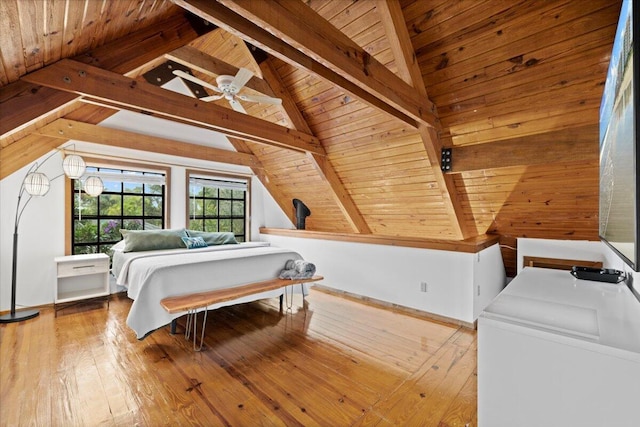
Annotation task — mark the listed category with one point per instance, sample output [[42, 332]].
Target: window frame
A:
[[114, 164], [208, 174]]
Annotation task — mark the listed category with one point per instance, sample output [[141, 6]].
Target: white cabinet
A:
[[81, 277], [557, 351]]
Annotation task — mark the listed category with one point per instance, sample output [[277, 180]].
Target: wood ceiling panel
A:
[[552, 24], [231, 49], [45, 31], [561, 92], [435, 20], [515, 71]]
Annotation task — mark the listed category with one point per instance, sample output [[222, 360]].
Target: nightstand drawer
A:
[[80, 265], [80, 268]]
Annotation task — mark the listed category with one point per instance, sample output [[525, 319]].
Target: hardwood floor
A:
[[337, 363]]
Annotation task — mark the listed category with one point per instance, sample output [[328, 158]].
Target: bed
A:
[[152, 275]]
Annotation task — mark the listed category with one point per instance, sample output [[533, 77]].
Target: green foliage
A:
[[86, 231], [238, 226], [237, 208], [110, 205], [153, 205], [225, 207]]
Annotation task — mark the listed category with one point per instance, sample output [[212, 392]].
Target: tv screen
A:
[[618, 217]]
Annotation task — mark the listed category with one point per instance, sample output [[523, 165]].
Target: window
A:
[[133, 200], [218, 203]]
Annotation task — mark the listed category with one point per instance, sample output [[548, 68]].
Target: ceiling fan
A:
[[228, 88]]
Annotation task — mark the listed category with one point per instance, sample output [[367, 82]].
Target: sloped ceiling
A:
[[372, 91]]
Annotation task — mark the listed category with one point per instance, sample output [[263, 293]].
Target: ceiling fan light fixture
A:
[[228, 88]]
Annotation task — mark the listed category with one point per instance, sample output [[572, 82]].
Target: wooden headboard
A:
[[557, 263]]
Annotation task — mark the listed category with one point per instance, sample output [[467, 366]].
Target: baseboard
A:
[[395, 307], [120, 294]]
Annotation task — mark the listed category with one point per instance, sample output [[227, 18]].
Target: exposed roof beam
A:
[[553, 147], [22, 104], [391, 18], [34, 145], [23, 151], [70, 129], [322, 165], [213, 67], [301, 27], [396, 30], [126, 93], [249, 31]]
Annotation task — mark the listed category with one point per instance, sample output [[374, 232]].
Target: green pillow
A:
[[151, 240], [214, 238]]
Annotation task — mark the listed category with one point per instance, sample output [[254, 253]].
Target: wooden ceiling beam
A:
[[550, 148], [396, 30], [321, 164], [302, 28], [244, 28], [79, 131], [199, 61], [130, 94], [24, 151], [22, 104]]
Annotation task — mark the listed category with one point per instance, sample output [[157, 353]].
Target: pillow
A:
[[118, 246], [194, 242], [150, 240], [214, 238]]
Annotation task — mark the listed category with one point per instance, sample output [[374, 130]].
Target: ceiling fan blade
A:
[[261, 99], [241, 78], [237, 106], [211, 98], [196, 80]]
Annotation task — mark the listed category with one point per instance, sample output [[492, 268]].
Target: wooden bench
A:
[[191, 303]]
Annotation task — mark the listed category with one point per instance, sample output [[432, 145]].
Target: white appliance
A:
[[558, 351]]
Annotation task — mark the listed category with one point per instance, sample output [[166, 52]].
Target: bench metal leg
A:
[[174, 326], [192, 326], [289, 294]]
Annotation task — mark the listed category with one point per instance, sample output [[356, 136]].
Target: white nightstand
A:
[[81, 277]]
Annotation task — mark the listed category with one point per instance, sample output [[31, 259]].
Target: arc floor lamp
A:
[[37, 184]]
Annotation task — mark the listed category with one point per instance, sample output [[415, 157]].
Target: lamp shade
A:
[[36, 184], [93, 186], [73, 166]]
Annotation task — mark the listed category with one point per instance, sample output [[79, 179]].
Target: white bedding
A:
[[154, 275]]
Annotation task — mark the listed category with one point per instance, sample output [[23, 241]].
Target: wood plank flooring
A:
[[337, 363]]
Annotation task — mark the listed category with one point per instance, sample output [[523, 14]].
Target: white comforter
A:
[[150, 277]]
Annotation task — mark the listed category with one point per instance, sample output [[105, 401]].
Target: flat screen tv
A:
[[619, 154]]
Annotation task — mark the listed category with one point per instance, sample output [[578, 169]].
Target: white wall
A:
[[393, 274], [41, 237], [265, 212], [488, 278]]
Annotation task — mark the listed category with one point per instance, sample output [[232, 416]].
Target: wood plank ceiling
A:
[[372, 90]]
